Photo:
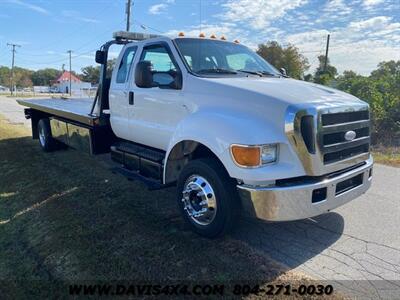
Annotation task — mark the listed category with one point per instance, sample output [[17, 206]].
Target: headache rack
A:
[[329, 138], [101, 104]]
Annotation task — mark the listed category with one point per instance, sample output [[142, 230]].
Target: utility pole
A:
[[12, 66], [326, 53], [70, 74], [128, 15]]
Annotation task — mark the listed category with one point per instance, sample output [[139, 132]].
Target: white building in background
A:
[[4, 89], [41, 89], [77, 85]]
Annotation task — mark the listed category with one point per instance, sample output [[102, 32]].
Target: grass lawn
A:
[[387, 156], [64, 217]]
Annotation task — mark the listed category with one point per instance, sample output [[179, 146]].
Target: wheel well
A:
[[202, 151], [181, 154], [35, 117]]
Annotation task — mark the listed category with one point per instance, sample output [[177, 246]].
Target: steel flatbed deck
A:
[[74, 109]]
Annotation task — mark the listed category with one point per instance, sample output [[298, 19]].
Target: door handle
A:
[[131, 98]]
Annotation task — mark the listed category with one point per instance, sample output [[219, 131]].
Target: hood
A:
[[287, 90]]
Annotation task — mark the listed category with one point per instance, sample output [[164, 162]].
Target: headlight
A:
[[254, 156], [269, 153]]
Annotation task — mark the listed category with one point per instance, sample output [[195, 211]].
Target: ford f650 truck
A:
[[233, 134]]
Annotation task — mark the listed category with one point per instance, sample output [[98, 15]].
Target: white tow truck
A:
[[215, 119]]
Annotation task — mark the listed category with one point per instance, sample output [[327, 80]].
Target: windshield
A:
[[222, 58]]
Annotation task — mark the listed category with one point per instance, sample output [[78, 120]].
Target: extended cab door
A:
[[156, 111], [119, 96]]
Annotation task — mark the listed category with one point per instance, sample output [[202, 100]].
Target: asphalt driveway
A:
[[357, 246]]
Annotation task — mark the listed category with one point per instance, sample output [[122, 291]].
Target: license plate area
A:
[[349, 184]]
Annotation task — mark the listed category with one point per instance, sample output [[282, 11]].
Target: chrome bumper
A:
[[296, 201]]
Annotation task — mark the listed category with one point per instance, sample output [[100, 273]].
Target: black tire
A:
[[226, 196], [46, 141]]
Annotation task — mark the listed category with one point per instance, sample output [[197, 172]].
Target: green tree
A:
[[308, 77], [322, 75], [289, 58], [45, 76], [382, 91], [90, 74], [22, 77], [5, 76]]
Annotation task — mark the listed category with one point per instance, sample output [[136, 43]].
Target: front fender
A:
[[218, 128]]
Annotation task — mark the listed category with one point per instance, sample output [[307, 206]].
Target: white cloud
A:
[[373, 23], [359, 46], [356, 43], [30, 6], [337, 6], [258, 13], [370, 3], [334, 10], [226, 29], [157, 9], [75, 15]]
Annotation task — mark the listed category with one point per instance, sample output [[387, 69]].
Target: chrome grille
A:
[[317, 134], [333, 144]]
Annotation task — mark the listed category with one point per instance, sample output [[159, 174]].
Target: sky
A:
[[363, 32]]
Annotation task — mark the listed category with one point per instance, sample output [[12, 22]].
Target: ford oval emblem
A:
[[350, 135]]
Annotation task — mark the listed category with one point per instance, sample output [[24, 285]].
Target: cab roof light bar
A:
[[133, 36]]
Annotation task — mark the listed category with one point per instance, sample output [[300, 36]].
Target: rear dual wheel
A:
[[46, 141]]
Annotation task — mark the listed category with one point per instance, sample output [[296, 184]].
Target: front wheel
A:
[[207, 197]]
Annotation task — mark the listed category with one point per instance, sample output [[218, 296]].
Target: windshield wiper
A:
[[275, 74], [217, 70], [251, 72], [259, 73], [270, 74]]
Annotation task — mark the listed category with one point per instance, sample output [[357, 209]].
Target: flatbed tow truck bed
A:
[[71, 123], [75, 109]]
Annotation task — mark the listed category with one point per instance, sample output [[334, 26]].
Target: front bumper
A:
[[305, 200]]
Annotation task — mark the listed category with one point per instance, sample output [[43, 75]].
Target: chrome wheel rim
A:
[[199, 201], [42, 137]]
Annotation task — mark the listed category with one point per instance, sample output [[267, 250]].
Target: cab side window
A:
[[164, 67], [125, 64]]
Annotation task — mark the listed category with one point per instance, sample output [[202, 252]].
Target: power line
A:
[[97, 36], [12, 66], [43, 63]]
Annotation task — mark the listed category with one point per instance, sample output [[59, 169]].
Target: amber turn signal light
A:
[[246, 156]]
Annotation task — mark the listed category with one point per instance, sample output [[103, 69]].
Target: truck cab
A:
[[232, 133]]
